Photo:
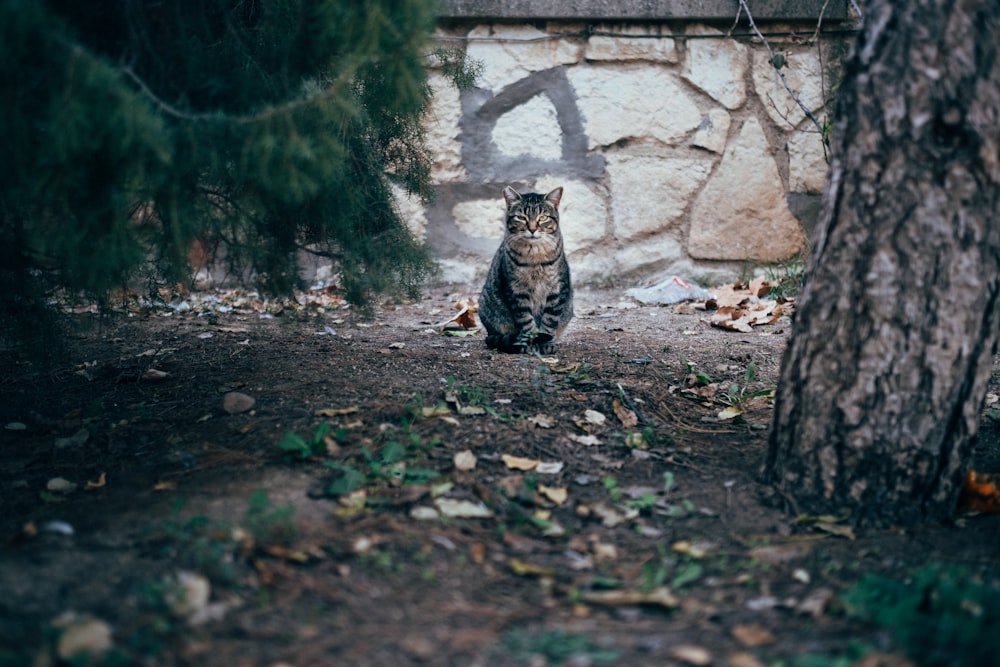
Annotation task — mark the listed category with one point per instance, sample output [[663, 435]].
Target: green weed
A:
[[943, 616], [556, 647]]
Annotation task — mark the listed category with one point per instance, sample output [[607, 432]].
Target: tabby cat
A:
[[527, 300]]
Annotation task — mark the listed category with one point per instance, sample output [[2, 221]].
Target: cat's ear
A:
[[554, 197], [510, 196]]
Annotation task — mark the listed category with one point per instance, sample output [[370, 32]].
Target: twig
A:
[[770, 52], [328, 91]]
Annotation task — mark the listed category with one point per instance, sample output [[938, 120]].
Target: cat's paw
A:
[[545, 348]]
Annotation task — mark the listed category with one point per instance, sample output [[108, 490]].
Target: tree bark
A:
[[886, 370]]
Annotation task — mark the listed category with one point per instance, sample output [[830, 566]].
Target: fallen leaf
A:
[[462, 509], [981, 492], [542, 421], [625, 416], [816, 602], [187, 594], [75, 440], [588, 440], [465, 318], [335, 412], [524, 569], [778, 554], [472, 410], [519, 463], [753, 635], [730, 412], [164, 486], [101, 481], [154, 375], [461, 333], [60, 485], [82, 637], [464, 460], [692, 549], [557, 494], [549, 467], [594, 417], [396, 346], [424, 513], [841, 530], [439, 410], [743, 660], [660, 596], [692, 655]]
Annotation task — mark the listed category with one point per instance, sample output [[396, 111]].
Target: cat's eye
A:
[[543, 218]]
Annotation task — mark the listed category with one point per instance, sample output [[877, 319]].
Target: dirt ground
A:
[[464, 507]]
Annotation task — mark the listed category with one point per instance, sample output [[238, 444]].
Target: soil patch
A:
[[197, 536]]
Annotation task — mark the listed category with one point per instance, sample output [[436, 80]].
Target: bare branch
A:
[[770, 52]]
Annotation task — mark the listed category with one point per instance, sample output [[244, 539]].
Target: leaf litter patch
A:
[[428, 502]]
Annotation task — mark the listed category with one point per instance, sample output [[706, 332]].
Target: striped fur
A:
[[527, 299]]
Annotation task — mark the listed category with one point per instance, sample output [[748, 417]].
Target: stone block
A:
[[654, 254], [480, 218], [530, 129], [716, 65], [742, 212], [583, 215], [633, 44], [510, 52], [632, 102], [803, 71], [441, 124], [713, 133], [807, 166], [650, 194], [410, 210]]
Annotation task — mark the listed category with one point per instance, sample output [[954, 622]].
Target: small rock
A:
[[236, 402]]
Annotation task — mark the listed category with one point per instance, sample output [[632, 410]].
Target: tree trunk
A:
[[884, 377]]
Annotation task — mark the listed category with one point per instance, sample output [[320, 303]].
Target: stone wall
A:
[[678, 147]]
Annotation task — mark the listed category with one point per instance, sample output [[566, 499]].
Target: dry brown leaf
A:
[[557, 494], [101, 481], [692, 655], [465, 318], [335, 412], [753, 635], [981, 492], [625, 416], [525, 569], [658, 596], [519, 462], [778, 554]]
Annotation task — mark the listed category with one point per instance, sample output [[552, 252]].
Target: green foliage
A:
[[134, 127], [555, 646], [943, 616], [298, 448], [388, 462]]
